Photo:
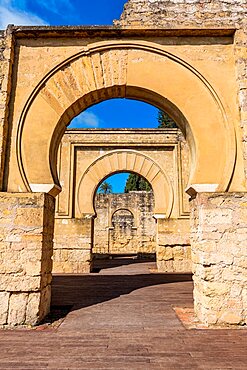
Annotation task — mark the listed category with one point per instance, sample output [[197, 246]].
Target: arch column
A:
[[26, 250], [219, 257]]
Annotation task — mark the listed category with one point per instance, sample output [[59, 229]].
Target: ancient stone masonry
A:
[[173, 251], [186, 57], [183, 13], [219, 256], [6, 61], [77, 229], [198, 14], [125, 224], [26, 232], [73, 245]]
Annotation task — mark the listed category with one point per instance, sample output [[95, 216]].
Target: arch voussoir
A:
[[118, 159]]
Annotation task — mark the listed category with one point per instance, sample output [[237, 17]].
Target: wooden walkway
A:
[[123, 318]]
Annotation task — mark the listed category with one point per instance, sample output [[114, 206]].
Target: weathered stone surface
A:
[[173, 245], [124, 223], [198, 14], [32, 309], [17, 309], [174, 258], [72, 245], [177, 13], [182, 71], [219, 257], [6, 62], [4, 306], [72, 242], [26, 232]]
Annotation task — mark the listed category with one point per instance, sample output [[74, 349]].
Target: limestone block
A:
[[33, 308], [68, 267], [231, 317], [4, 306], [29, 217], [17, 308], [174, 258], [22, 283], [79, 255]]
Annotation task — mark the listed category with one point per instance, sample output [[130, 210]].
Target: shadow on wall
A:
[[88, 290]]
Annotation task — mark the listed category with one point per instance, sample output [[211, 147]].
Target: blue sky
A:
[[115, 113], [117, 182], [59, 12]]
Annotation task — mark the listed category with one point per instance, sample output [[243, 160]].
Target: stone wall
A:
[[124, 225], [173, 251], [26, 232], [133, 231], [72, 245], [6, 61], [219, 256], [80, 150], [183, 13]]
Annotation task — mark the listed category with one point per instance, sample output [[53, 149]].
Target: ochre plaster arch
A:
[[128, 161], [138, 70]]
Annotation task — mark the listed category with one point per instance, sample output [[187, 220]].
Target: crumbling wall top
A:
[[184, 13]]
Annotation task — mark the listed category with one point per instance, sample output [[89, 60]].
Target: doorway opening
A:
[[124, 226]]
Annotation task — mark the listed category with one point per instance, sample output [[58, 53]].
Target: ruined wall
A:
[[117, 232], [26, 232], [219, 256], [183, 13]]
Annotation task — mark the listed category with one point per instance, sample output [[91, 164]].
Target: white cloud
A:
[[85, 120], [12, 15]]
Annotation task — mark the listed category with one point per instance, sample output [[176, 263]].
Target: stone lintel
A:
[[117, 31]]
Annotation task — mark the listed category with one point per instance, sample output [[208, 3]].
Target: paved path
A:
[[122, 318]]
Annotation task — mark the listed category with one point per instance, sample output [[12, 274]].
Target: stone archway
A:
[[128, 161], [86, 158], [106, 70], [182, 80]]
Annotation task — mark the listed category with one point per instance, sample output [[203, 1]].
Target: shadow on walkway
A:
[[80, 291]]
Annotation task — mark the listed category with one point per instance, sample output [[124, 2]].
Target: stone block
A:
[[4, 306], [33, 309], [174, 258], [19, 283], [17, 308]]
